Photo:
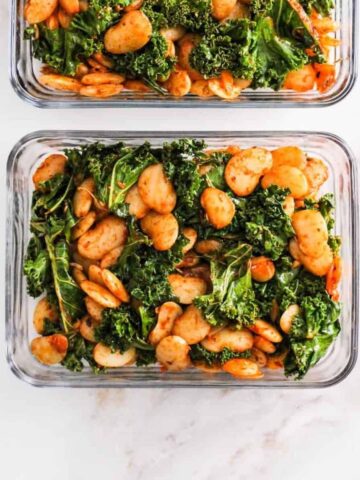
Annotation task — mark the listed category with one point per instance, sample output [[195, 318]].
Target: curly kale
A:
[[193, 15], [79, 354], [150, 63], [312, 332], [324, 7], [64, 48], [317, 325], [267, 227], [37, 268], [115, 169], [144, 270], [123, 327], [260, 220], [226, 47], [180, 159], [326, 206], [289, 285], [199, 354], [232, 298]]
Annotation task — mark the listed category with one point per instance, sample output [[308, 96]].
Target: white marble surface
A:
[[172, 434]]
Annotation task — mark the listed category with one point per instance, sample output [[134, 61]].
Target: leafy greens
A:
[[260, 227], [274, 38]]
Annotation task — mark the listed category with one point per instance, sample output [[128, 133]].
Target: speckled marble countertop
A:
[[176, 434], [172, 434]]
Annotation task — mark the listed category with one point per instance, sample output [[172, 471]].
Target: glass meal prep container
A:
[[24, 72], [30, 151]]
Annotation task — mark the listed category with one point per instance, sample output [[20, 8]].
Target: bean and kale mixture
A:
[[98, 48], [223, 260]]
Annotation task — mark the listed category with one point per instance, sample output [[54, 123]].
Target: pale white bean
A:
[[292, 156], [316, 173], [162, 229], [83, 262], [111, 258], [83, 198], [51, 349], [115, 285], [70, 6], [173, 33], [243, 368], [184, 48], [288, 317], [131, 33], [104, 357], [179, 83], [254, 161], [101, 295], [259, 357], [52, 165], [137, 207], [83, 225], [87, 328], [263, 344], [243, 170], [266, 330], [235, 340], [36, 11], [191, 235], [156, 190], [166, 316], [172, 353], [289, 177], [221, 9], [78, 275], [44, 311], [95, 275], [191, 326], [187, 288], [94, 309], [311, 231], [219, 207], [107, 235], [204, 247]]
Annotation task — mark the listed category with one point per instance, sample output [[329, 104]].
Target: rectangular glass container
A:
[[24, 72], [24, 159]]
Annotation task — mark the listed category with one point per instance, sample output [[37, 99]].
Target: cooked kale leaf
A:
[[194, 15], [313, 331], [69, 295], [37, 268], [275, 57], [123, 327], [180, 160], [79, 354], [226, 47], [199, 354], [232, 298], [144, 270], [267, 227], [150, 63]]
